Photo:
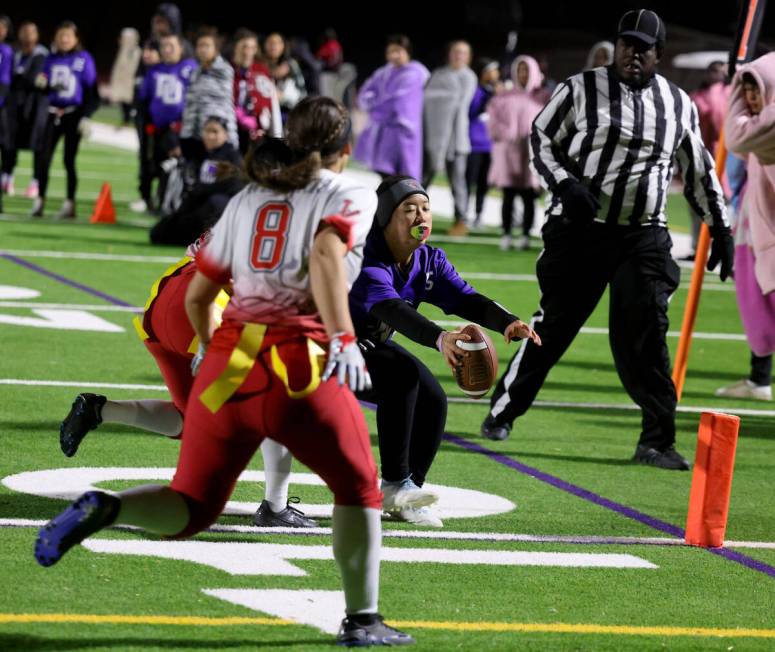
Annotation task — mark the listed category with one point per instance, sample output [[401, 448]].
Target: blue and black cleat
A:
[[90, 513]]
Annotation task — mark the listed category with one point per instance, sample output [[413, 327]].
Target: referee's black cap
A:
[[644, 25]]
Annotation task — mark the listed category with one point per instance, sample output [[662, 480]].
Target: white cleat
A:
[[424, 516], [406, 494], [746, 389], [138, 206], [505, 243]]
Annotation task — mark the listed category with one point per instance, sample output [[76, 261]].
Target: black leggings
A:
[[476, 175], [529, 197], [66, 126], [11, 157], [761, 369], [411, 412]]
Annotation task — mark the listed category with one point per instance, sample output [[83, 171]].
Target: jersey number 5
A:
[[269, 236]]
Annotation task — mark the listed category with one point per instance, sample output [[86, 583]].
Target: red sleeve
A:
[[345, 226], [210, 269]]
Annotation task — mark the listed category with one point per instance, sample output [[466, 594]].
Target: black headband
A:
[[393, 195]]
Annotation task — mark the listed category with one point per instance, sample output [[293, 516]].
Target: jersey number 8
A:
[[269, 236]]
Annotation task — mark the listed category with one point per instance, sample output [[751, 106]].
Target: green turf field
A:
[[557, 467]]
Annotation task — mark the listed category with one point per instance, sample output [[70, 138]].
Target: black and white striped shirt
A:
[[622, 142]]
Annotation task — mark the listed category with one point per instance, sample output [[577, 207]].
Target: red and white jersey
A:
[[263, 240]]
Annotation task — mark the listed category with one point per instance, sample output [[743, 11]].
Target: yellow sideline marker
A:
[[537, 628]]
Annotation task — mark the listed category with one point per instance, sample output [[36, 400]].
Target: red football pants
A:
[[171, 335], [325, 430]]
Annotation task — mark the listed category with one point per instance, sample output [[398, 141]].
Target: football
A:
[[477, 372]]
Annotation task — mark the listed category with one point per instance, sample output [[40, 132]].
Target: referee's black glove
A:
[[578, 203], [722, 249]]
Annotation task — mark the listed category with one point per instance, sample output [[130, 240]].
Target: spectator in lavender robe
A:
[[392, 96], [400, 271]]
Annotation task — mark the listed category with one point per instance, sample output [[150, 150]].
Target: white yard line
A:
[[441, 535], [131, 258], [67, 383], [70, 306], [83, 255], [688, 409], [543, 404]]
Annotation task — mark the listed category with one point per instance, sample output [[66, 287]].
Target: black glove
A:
[[722, 249], [578, 203]]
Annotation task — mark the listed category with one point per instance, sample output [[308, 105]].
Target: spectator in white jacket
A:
[[447, 98], [210, 92]]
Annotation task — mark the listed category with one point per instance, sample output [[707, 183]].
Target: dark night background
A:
[[545, 26]]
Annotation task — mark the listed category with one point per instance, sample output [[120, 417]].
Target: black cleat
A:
[[91, 512], [491, 429], [370, 629], [288, 517], [669, 458], [85, 415]]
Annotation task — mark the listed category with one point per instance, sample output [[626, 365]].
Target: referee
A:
[[605, 146]]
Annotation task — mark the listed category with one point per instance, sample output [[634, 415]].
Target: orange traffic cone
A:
[[104, 211], [706, 522]]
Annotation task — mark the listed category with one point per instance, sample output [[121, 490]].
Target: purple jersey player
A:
[[69, 77], [399, 273], [163, 90]]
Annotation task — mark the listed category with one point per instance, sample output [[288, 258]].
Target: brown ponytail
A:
[[318, 128]]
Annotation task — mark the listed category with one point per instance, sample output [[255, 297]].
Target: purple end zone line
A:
[[623, 510], [62, 279]]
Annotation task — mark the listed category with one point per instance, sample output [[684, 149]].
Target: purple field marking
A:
[[572, 489], [62, 279], [745, 560], [623, 510]]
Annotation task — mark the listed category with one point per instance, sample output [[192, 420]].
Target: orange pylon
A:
[[104, 211]]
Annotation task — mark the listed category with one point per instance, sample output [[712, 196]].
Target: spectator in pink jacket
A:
[[511, 115], [749, 129]]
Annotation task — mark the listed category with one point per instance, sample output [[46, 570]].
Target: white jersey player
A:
[[284, 243]]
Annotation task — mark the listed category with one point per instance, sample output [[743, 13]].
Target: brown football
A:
[[478, 371]]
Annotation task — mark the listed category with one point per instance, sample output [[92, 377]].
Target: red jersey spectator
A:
[[255, 95]]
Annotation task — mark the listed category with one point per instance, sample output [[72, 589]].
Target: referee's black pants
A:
[[411, 411], [574, 269]]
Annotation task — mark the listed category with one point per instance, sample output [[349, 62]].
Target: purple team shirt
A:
[[164, 91], [6, 66], [431, 278], [68, 75]]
